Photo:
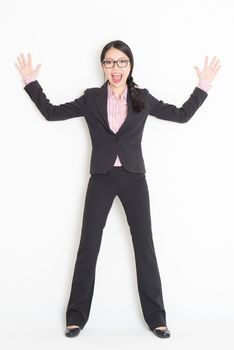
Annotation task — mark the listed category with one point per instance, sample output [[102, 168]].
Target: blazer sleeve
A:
[[166, 111], [52, 112]]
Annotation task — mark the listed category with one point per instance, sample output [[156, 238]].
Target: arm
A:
[[170, 112], [52, 112], [166, 111], [33, 88]]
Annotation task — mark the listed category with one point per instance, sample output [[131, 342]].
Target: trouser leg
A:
[[99, 198], [135, 199]]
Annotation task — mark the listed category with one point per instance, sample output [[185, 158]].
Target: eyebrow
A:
[[108, 58]]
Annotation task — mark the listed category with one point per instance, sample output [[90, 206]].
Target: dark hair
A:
[[137, 101]]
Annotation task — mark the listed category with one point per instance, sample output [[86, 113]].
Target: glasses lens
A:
[[122, 63], [108, 63]]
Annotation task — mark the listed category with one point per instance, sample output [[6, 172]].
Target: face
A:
[[117, 76]]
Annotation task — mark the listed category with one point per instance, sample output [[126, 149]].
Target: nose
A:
[[115, 68]]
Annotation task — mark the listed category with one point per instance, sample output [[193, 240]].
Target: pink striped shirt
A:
[[117, 112]]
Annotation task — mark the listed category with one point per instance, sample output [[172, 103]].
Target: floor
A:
[[186, 338]]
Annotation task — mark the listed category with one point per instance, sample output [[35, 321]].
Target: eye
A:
[[108, 61]]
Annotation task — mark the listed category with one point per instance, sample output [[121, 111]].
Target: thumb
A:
[[197, 71], [38, 68]]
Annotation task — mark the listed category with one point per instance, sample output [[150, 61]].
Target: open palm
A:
[[209, 70], [25, 67]]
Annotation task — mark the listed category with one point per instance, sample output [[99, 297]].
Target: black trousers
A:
[[133, 193]]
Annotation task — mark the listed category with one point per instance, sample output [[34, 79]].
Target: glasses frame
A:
[[113, 63]]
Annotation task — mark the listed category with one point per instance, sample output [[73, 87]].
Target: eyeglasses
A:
[[120, 63]]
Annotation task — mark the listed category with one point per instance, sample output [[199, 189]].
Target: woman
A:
[[116, 114]]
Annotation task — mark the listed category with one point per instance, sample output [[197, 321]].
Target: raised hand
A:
[[209, 70], [25, 68]]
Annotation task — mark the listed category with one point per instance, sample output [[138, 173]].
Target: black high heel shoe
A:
[[72, 332], [162, 333]]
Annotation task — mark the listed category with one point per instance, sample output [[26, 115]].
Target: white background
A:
[[45, 171]]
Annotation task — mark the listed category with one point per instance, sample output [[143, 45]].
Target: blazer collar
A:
[[101, 103]]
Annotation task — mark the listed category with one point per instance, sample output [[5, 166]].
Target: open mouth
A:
[[116, 78]]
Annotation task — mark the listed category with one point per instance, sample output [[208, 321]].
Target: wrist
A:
[[29, 79], [204, 85]]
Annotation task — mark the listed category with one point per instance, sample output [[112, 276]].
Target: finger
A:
[[23, 59], [29, 59], [206, 62], [218, 68], [216, 64], [18, 67], [213, 61], [38, 68], [20, 61], [197, 71]]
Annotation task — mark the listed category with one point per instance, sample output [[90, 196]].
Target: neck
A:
[[118, 90]]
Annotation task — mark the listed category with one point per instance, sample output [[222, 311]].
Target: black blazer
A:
[[126, 143]]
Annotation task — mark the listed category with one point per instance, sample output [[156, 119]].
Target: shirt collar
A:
[[123, 96]]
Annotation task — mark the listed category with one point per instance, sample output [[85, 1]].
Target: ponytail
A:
[[137, 102]]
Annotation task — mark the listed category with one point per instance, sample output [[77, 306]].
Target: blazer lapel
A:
[[130, 115], [101, 103]]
